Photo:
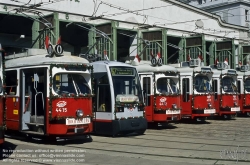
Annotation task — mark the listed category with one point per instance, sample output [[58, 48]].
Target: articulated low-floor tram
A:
[[197, 98], [118, 101], [243, 85], [225, 91], [49, 94], [2, 103], [160, 84]]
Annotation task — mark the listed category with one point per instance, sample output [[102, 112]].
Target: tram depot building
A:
[[175, 30]]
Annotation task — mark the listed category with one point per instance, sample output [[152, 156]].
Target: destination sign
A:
[[75, 68], [231, 72], [206, 69], [122, 71]]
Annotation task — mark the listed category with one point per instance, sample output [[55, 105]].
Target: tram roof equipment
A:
[[34, 57]]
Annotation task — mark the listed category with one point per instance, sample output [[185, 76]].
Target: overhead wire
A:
[[133, 12]]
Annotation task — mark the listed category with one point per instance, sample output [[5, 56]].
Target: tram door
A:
[[102, 103], [26, 101], [217, 92], [147, 87], [240, 92], [186, 94], [32, 96]]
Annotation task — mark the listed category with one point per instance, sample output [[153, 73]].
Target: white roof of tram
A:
[[194, 69], [218, 72], [146, 66], [35, 57], [247, 73], [243, 70]]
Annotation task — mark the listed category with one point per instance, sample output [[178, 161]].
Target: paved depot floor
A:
[[214, 142]]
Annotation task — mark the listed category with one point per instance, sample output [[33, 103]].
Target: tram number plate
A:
[[209, 111], [235, 109], [72, 121], [173, 112]]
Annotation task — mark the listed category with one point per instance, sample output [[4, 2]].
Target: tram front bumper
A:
[[129, 125]]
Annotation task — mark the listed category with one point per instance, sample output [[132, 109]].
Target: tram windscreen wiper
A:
[[74, 85], [200, 86], [170, 87], [234, 88]]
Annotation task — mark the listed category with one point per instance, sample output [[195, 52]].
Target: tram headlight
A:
[[174, 106], [79, 113], [120, 109], [209, 105]]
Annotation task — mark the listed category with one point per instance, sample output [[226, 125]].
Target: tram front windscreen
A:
[[70, 83], [167, 86], [126, 81], [202, 84], [228, 84]]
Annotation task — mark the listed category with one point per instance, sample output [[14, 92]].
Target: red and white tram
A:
[[48, 93], [118, 101], [243, 85], [160, 84], [2, 104], [197, 98], [225, 89]]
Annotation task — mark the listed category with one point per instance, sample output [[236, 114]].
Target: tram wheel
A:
[[200, 119], [228, 117], [233, 116], [248, 114], [28, 137], [225, 116], [140, 132], [40, 130], [88, 138], [50, 139]]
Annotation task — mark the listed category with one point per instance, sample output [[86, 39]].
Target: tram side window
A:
[[186, 90], [104, 95], [239, 88], [147, 90], [11, 82], [215, 89]]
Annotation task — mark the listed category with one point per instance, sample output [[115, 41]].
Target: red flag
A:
[[105, 55], [240, 63], [138, 58], [59, 40], [159, 54], [152, 55], [226, 61], [47, 42], [200, 57], [216, 61]]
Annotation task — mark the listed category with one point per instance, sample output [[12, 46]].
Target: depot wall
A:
[[166, 14]]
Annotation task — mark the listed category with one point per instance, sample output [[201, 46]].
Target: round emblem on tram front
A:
[[163, 101], [61, 104]]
